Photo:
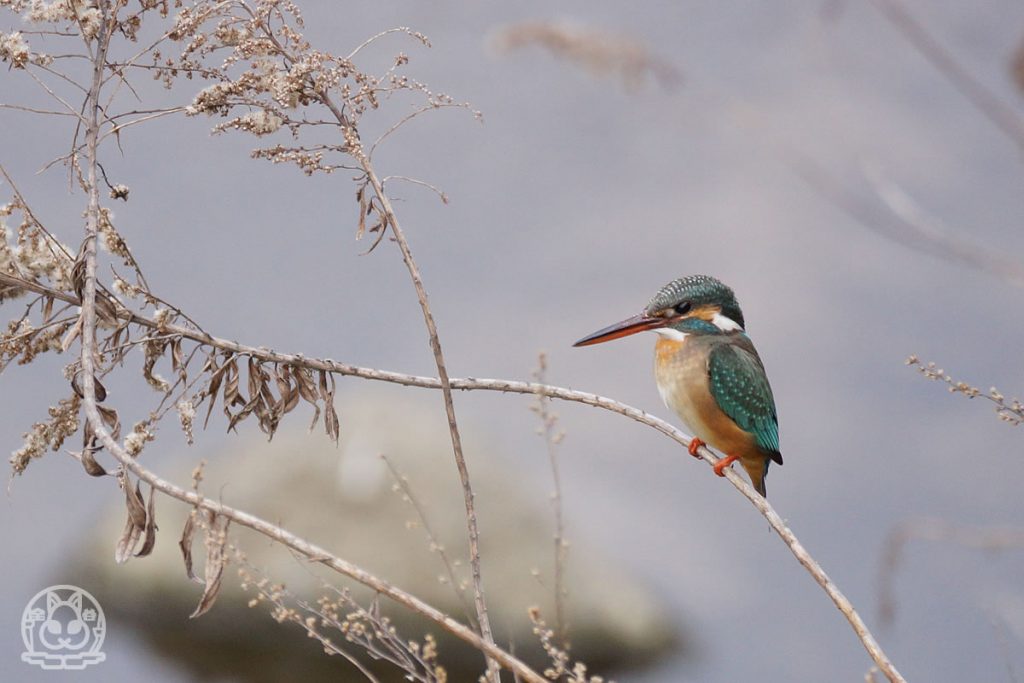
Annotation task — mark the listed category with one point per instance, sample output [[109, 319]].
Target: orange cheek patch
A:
[[707, 313]]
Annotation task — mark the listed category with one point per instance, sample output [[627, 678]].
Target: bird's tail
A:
[[757, 470]]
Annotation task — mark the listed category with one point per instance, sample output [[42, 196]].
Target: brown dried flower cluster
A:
[[559, 669], [1010, 411], [49, 435], [600, 52], [338, 612], [30, 252]]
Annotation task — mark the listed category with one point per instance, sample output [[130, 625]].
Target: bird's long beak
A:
[[638, 323]]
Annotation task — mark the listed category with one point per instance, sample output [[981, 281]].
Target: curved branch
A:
[[533, 388], [309, 550]]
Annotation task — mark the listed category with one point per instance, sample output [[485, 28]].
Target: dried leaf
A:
[[323, 385], [99, 390], [231, 396], [135, 524], [213, 387], [363, 212], [78, 276], [331, 424], [289, 394], [153, 351], [47, 309], [307, 388], [126, 543], [290, 398], [112, 421], [90, 445], [178, 359], [151, 528], [255, 377], [216, 561], [380, 228], [92, 468], [186, 545], [136, 504], [106, 312], [71, 335]]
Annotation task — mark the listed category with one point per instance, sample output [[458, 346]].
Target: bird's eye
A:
[[683, 308]]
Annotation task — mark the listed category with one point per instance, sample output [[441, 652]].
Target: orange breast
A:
[[680, 369]]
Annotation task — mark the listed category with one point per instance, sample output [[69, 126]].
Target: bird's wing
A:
[[740, 387]]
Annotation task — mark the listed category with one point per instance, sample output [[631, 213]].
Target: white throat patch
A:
[[671, 333], [725, 323]]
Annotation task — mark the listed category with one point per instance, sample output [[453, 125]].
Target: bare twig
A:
[[551, 440], [449, 406], [1010, 412], [435, 544], [393, 224]]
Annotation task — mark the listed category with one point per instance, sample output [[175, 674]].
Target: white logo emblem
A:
[[63, 628]]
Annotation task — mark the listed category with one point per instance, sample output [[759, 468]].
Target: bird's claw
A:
[[695, 443], [720, 466]]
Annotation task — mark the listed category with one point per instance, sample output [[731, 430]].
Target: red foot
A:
[[695, 443], [723, 463]]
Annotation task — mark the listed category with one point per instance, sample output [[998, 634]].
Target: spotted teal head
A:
[[695, 304]]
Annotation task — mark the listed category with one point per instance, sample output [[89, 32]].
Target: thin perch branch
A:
[[513, 386]]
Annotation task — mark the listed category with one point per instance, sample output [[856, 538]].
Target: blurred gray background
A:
[[576, 200]]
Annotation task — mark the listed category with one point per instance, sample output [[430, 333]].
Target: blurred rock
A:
[[344, 499]]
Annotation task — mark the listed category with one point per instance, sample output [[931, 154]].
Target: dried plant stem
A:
[[432, 538], [442, 373], [354, 148], [312, 552], [88, 357], [518, 387], [551, 441], [449, 406]]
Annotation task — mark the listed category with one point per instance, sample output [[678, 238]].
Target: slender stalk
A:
[[551, 439], [354, 148], [88, 359], [442, 372], [449, 406], [432, 538]]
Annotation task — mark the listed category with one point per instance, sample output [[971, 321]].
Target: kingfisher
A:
[[708, 372]]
